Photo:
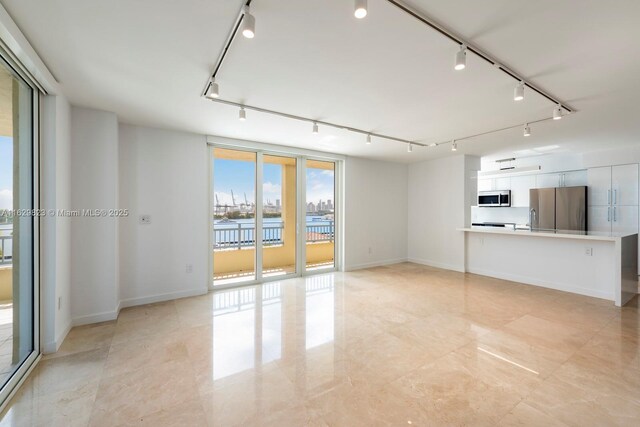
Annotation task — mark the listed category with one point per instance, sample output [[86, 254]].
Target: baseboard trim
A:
[[544, 284], [105, 316], [375, 264], [132, 302], [437, 264], [54, 346]]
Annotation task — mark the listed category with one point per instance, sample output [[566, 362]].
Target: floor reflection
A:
[[257, 325]]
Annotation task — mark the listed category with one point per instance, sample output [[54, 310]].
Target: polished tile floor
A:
[[398, 345]]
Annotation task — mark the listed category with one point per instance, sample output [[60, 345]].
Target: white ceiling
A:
[[148, 60]]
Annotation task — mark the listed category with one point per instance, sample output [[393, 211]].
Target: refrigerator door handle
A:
[[615, 196], [608, 214], [614, 214], [608, 197]]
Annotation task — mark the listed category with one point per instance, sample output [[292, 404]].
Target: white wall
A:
[[375, 213], [55, 159], [163, 174], [94, 185], [439, 199]]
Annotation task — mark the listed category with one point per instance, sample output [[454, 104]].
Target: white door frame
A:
[[301, 157]]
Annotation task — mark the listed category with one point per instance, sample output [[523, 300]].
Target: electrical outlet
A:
[[588, 251], [189, 268], [145, 219]]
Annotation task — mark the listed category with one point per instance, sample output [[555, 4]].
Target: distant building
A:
[[311, 208]]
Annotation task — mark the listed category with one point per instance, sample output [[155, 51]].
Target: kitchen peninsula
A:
[[596, 264]]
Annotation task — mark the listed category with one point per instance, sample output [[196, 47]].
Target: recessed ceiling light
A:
[[361, 9], [461, 58], [248, 24]]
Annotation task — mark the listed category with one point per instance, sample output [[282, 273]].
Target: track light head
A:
[[454, 145], [242, 114], [315, 128], [518, 92], [527, 130], [213, 90], [368, 139], [248, 24], [410, 148], [461, 58], [360, 9], [557, 112]]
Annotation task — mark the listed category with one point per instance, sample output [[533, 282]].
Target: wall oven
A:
[[500, 198]]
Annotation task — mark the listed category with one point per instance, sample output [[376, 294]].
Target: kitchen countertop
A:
[[558, 234]]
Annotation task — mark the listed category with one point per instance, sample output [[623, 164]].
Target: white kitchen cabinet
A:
[[624, 219], [624, 185], [599, 186], [548, 180], [520, 186], [599, 219], [502, 183], [573, 178], [485, 184]]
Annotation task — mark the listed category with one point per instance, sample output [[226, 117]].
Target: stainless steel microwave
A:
[[500, 198]]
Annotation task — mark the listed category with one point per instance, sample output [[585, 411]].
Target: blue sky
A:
[[239, 176], [6, 172]]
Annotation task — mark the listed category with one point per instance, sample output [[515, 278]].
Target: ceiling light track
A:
[[316, 122], [468, 47], [227, 45]]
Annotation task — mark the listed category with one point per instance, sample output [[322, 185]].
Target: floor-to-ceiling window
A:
[[273, 215], [18, 227], [320, 210], [234, 216]]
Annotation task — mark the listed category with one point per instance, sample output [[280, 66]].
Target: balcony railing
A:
[[238, 236], [6, 256]]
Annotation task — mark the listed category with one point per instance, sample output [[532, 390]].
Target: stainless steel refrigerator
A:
[[562, 208]]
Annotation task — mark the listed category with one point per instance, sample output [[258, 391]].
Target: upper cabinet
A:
[[613, 185], [599, 186], [562, 179], [624, 185], [520, 186]]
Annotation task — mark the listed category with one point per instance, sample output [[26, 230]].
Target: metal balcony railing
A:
[[238, 236]]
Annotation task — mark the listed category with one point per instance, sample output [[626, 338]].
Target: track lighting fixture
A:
[[360, 9], [212, 90], [557, 112], [461, 58], [454, 145], [410, 148], [527, 130], [315, 128], [248, 24], [518, 92], [242, 114], [368, 138]]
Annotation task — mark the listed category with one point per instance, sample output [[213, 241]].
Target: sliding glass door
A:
[[291, 232], [234, 216], [18, 228]]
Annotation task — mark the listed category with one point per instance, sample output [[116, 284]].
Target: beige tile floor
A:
[[399, 345]]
